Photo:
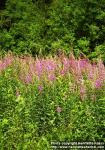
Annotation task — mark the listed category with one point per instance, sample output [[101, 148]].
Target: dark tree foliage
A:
[[2, 4], [43, 26]]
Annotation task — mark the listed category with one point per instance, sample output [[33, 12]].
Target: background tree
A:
[[43, 26]]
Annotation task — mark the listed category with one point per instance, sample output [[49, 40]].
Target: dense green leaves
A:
[[21, 27], [44, 26], [47, 100], [32, 119]]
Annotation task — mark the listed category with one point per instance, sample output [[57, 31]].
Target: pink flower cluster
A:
[[49, 69], [5, 62]]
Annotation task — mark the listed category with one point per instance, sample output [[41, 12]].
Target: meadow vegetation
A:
[[52, 72], [50, 99]]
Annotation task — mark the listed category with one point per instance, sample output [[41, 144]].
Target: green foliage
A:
[[29, 119], [21, 27], [76, 24], [41, 27]]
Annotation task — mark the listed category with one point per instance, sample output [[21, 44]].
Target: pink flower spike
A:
[[62, 72], [28, 79], [40, 88], [98, 84], [58, 109], [82, 92], [51, 77]]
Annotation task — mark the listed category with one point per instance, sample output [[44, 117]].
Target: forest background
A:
[[41, 27]]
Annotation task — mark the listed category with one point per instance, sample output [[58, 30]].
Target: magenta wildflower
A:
[[49, 67], [58, 109], [83, 63], [5, 62], [62, 72], [51, 77], [28, 79], [98, 84], [39, 68], [90, 74], [82, 92], [40, 88]]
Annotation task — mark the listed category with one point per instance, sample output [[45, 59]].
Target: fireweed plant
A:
[[50, 99]]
